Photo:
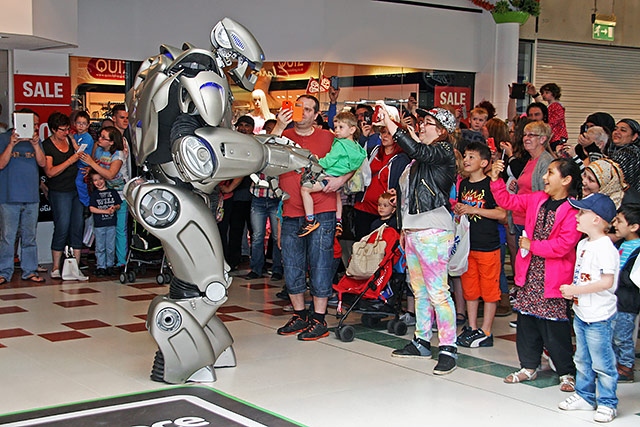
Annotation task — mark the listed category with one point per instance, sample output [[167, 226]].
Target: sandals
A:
[[522, 375], [461, 319], [34, 278], [567, 383], [3, 281]]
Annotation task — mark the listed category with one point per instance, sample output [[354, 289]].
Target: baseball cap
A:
[[245, 119], [598, 203], [444, 117]]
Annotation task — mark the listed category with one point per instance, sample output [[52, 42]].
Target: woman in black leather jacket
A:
[[427, 231]]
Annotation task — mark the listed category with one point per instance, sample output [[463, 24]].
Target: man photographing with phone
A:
[[19, 200]]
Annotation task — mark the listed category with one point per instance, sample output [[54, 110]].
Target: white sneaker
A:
[[604, 414], [576, 403], [55, 274]]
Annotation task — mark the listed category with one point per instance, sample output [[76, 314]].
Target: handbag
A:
[[70, 269], [367, 255], [459, 254]]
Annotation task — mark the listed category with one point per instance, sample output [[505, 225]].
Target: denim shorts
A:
[[313, 253]]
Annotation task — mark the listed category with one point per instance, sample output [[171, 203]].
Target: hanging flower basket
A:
[[511, 16]]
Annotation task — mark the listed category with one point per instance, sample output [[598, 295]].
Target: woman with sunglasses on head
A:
[[61, 169], [427, 231]]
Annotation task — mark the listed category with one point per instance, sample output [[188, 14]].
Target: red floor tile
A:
[[275, 312], [86, 324], [141, 316], [15, 332], [12, 309], [259, 286], [227, 318], [147, 285], [63, 336], [80, 291], [75, 303], [232, 309], [510, 337], [145, 297], [13, 297], [133, 327]]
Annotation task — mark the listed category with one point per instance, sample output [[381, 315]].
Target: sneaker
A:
[[333, 301], [276, 277], [295, 325], [288, 308], [604, 414], [55, 274], [314, 331], [338, 229], [466, 331], [513, 323], [446, 360], [409, 319], [101, 272], [416, 348], [576, 403], [475, 339], [252, 275], [308, 228]]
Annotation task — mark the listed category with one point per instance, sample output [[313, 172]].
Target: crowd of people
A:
[[566, 212]]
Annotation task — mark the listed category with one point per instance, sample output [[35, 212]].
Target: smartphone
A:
[[23, 124], [518, 90], [368, 118], [81, 148], [297, 109], [335, 82]]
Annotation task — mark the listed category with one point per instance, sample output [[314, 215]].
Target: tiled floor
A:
[[63, 342]]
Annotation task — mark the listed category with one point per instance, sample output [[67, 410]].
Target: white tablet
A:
[[23, 123]]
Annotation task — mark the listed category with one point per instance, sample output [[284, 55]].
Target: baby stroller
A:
[[145, 250], [375, 297]]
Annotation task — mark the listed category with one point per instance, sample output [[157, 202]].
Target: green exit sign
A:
[[603, 32]]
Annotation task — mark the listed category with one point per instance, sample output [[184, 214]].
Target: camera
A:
[[584, 128]]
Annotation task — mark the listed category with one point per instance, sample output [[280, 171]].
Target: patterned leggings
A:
[[427, 260]]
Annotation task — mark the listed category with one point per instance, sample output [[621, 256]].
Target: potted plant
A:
[[510, 10]]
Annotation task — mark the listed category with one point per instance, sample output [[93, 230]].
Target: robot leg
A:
[[191, 339]]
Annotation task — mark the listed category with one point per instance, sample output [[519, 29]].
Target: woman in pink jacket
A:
[[544, 262]]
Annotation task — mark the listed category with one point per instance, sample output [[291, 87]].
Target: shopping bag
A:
[[459, 254], [70, 268]]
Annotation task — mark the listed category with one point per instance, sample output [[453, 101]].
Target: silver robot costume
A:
[[180, 114]]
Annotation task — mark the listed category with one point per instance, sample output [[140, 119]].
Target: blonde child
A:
[[595, 278], [346, 156]]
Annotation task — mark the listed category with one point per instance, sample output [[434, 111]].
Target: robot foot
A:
[[157, 372], [227, 359]]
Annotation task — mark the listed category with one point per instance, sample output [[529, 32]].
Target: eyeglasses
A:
[[104, 139], [64, 129], [426, 123], [82, 124], [531, 135]]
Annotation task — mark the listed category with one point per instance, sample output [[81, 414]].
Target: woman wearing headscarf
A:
[[624, 149]]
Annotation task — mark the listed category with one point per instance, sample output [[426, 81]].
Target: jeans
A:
[[313, 253], [105, 246], [261, 209], [68, 221], [624, 324], [121, 233], [595, 362], [14, 218]]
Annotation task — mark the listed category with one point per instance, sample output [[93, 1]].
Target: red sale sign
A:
[[453, 95], [43, 94]]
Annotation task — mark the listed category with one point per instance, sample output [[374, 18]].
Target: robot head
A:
[[233, 42]]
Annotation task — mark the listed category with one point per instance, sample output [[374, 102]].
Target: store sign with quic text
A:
[[110, 69], [454, 95], [285, 68]]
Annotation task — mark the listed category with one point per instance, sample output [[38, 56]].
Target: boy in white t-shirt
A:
[[593, 289]]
